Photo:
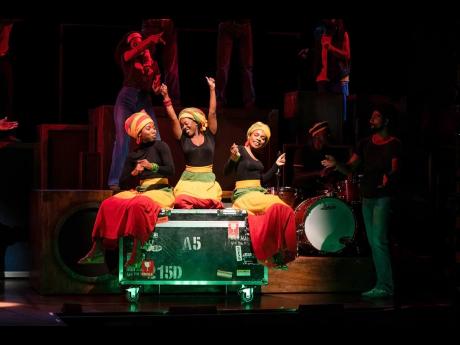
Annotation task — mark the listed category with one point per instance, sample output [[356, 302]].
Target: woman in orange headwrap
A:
[[197, 187], [271, 220], [134, 212]]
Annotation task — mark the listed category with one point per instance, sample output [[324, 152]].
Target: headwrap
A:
[[135, 123], [262, 126], [196, 115], [318, 128]]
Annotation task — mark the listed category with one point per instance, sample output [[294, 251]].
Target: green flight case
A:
[[194, 247]]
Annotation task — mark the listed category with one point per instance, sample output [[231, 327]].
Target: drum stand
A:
[[277, 174], [351, 243]]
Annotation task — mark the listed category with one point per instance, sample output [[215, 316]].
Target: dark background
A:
[[64, 64]]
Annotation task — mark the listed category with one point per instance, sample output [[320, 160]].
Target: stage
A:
[[20, 305]]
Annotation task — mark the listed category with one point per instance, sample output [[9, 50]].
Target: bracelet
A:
[[167, 102], [155, 167]]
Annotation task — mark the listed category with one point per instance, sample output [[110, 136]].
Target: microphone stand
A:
[[278, 180], [278, 173]]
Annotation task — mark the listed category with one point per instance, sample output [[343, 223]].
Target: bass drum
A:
[[325, 225]]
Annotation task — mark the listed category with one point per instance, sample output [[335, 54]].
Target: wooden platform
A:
[[322, 274]]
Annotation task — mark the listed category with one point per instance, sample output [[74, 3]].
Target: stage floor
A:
[[20, 305]]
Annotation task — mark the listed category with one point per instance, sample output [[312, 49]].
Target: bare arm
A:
[[346, 169], [280, 161], [394, 171], [6, 125], [212, 117], [151, 40], [177, 131], [344, 51]]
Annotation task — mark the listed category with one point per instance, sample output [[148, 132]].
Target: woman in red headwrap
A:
[[271, 220], [197, 187], [134, 212]]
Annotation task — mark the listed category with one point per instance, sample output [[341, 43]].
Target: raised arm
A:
[[212, 117], [6, 125], [135, 51], [177, 131], [341, 52], [232, 161], [280, 161]]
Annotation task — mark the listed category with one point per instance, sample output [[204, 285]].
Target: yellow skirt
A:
[[256, 202], [163, 197], [199, 182], [199, 189]]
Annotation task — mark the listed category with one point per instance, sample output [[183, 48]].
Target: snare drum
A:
[[289, 195], [348, 190], [324, 225]]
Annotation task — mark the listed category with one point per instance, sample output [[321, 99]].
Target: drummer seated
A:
[[308, 173]]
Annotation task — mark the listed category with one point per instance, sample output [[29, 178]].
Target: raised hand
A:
[[234, 152], [164, 90], [156, 84], [157, 38], [281, 160], [211, 83], [6, 125]]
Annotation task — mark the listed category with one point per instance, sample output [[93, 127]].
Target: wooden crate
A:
[[60, 147], [322, 274]]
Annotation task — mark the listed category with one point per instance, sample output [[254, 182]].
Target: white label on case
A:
[[239, 256], [243, 273]]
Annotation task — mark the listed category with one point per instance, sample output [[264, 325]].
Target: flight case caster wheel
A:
[[132, 294], [246, 294]]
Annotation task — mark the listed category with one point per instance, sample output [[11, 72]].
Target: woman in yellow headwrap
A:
[[271, 220], [197, 187], [134, 212]]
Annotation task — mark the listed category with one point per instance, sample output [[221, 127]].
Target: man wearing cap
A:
[[309, 174]]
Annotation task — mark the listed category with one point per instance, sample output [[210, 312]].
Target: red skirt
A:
[[274, 232], [119, 217], [189, 202]]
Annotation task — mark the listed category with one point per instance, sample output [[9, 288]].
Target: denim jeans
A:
[[229, 34], [129, 101], [376, 214]]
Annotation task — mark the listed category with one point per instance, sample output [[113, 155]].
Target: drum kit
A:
[[328, 223]]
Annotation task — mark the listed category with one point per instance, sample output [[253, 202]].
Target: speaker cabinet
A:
[[60, 147], [61, 226]]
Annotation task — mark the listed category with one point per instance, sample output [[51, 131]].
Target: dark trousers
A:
[[232, 33]]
